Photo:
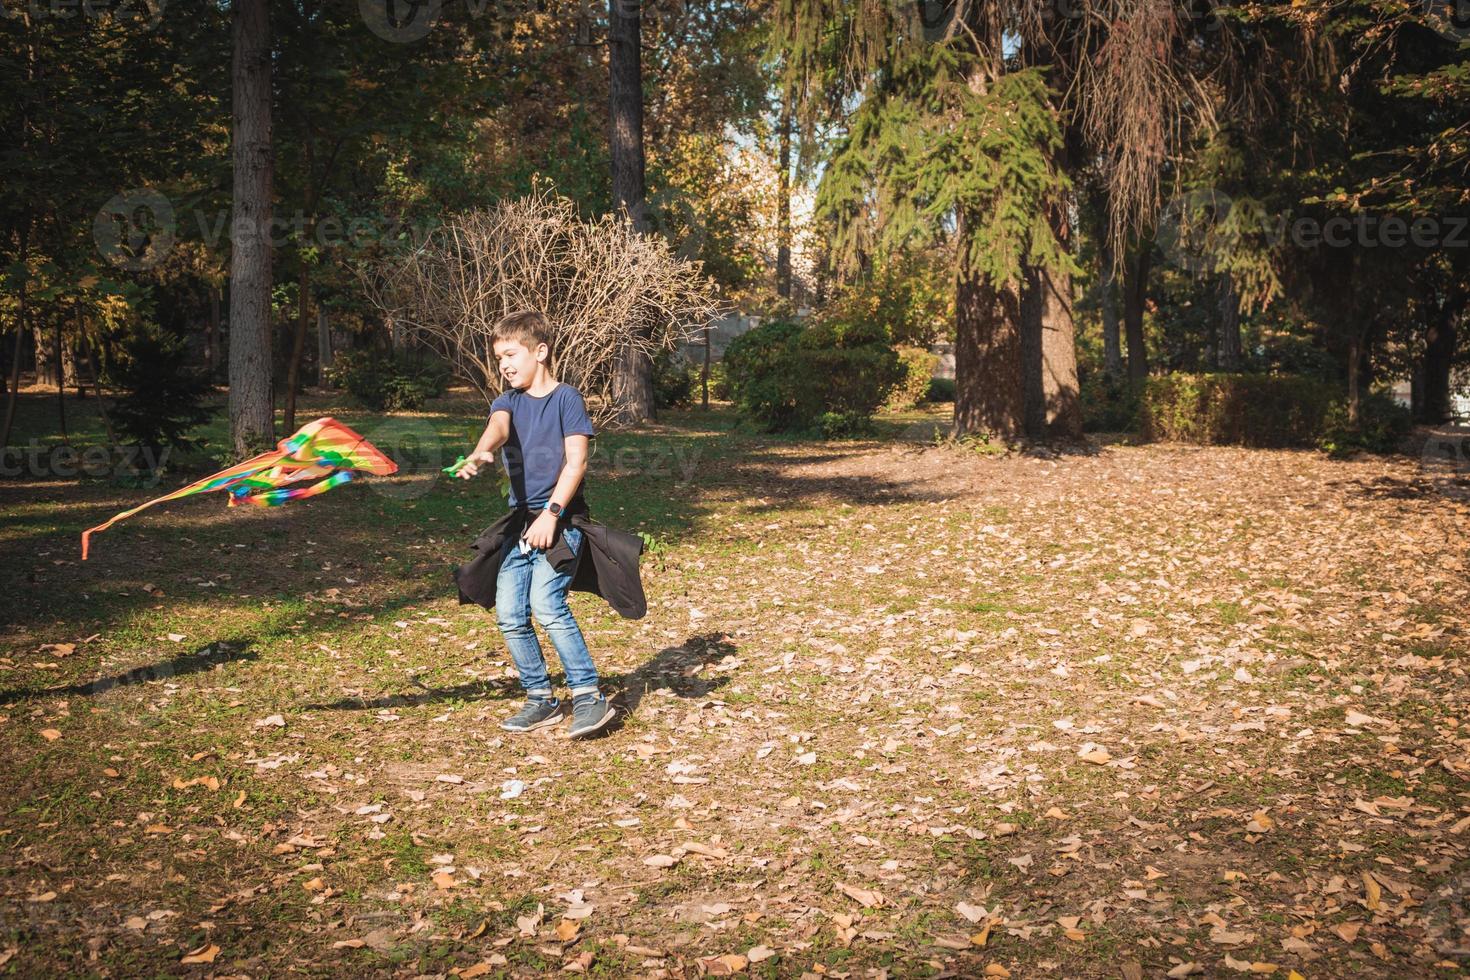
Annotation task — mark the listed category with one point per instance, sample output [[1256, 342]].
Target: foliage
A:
[[1382, 426], [940, 390], [926, 146], [1109, 404], [758, 374], [675, 380], [1239, 409], [771, 371], [916, 366], [162, 397], [387, 382], [911, 294]]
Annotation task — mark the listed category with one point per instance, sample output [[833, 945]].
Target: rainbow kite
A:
[[325, 451]]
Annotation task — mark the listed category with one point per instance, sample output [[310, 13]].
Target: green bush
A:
[[1240, 409], [916, 367], [674, 381], [384, 382], [161, 396], [1109, 404], [827, 378], [757, 369], [940, 390], [1382, 425]]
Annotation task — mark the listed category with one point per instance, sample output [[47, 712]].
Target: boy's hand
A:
[[471, 467], [542, 531]]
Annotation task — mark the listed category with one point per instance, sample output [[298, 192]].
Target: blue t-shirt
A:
[[535, 452]]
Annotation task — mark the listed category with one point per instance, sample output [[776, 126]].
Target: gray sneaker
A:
[[536, 714], [590, 713]]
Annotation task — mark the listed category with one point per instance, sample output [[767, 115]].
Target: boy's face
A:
[[518, 362]]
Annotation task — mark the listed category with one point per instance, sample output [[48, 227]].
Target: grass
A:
[[945, 700]]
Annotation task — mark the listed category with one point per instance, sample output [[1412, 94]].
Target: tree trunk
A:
[[632, 387], [22, 322], [48, 366], [323, 345], [1112, 342], [211, 337], [97, 384], [990, 388], [1135, 292], [60, 378], [1230, 346], [1439, 352], [1060, 392], [783, 202], [298, 346], [252, 417], [1354, 376], [704, 372]]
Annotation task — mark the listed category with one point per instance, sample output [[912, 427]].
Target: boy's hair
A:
[[528, 327]]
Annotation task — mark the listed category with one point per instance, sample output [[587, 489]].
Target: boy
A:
[[544, 428]]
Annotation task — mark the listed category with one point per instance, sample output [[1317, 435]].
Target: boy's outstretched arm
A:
[[497, 431], [574, 467]]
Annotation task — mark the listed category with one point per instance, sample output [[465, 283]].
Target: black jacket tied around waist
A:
[[607, 565]]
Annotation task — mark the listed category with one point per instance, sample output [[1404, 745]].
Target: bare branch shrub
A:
[[604, 287]]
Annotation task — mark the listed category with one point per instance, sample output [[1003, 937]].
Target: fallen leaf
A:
[[661, 861], [1097, 756], [567, 929], [349, 944], [724, 966], [204, 954], [972, 912], [758, 954], [867, 899], [271, 721], [1372, 893], [50, 734]]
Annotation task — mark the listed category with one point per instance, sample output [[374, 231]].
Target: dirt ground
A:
[[896, 709]]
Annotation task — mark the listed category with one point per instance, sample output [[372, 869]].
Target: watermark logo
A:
[[1190, 227], [146, 14], [669, 212], [66, 462], [136, 229], [400, 21], [1446, 915], [417, 449], [1445, 462]]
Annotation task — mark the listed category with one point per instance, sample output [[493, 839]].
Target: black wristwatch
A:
[[554, 507]]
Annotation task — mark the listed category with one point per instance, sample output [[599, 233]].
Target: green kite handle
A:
[[453, 468]]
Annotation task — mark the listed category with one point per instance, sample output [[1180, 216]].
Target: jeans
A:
[[529, 584]]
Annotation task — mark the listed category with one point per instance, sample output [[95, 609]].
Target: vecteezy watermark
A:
[[70, 462], [1450, 18], [1197, 226], [417, 449], [400, 21], [1446, 463], [672, 459], [137, 229], [406, 21], [1446, 916], [146, 14], [669, 212]]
